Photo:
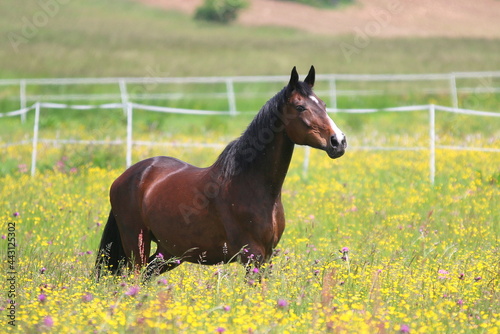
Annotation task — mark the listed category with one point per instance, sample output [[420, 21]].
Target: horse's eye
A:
[[300, 108]]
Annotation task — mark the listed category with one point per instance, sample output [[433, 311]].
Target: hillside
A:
[[160, 38], [378, 18]]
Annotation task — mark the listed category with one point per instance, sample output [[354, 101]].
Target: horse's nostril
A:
[[334, 141]]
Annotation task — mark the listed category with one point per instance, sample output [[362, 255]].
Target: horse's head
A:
[[306, 120]]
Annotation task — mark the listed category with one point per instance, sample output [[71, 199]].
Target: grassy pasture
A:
[[422, 258]]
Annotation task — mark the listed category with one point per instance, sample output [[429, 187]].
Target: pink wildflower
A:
[[133, 291]]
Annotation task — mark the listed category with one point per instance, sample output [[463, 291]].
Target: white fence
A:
[[484, 84], [129, 142]]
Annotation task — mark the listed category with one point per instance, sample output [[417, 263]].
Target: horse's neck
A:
[[271, 163], [260, 157]]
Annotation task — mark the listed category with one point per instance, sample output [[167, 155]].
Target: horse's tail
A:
[[111, 255]]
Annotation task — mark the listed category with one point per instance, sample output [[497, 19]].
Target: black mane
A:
[[240, 153]]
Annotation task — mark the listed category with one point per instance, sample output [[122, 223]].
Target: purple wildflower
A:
[[162, 281], [442, 274], [42, 298], [133, 291], [15, 214], [48, 321], [282, 303], [478, 278], [344, 252], [87, 297], [404, 329], [226, 308], [255, 270], [220, 330]]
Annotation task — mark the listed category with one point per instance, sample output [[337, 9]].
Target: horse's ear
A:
[[311, 77], [294, 78]]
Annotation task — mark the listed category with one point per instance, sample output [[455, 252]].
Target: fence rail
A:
[[129, 107], [124, 95]]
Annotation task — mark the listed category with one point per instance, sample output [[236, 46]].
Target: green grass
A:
[[123, 38]]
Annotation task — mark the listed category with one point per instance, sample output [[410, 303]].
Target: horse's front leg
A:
[[160, 262], [254, 260]]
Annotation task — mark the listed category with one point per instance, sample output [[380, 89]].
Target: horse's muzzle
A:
[[337, 146]]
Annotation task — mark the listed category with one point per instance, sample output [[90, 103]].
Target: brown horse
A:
[[229, 211]]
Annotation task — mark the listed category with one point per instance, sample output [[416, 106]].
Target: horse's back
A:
[[143, 174]]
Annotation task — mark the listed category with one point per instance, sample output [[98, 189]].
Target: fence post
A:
[[123, 94], [333, 92], [305, 164], [35, 139], [432, 143], [453, 90], [128, 107], [231, 98], [22, 98]]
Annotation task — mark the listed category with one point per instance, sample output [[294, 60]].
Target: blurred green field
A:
[[124, 38]]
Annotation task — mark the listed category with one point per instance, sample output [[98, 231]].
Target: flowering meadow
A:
[[370, 247]]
